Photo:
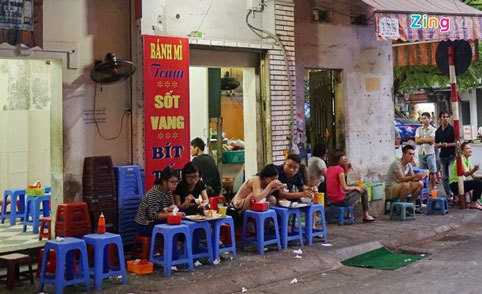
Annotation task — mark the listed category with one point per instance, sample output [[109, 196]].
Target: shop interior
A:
[[223, 113], [30, 91]]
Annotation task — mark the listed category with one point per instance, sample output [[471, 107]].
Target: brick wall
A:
[[279, 89]]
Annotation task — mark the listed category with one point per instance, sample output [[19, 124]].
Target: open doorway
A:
[[30, 137], [224, 100], [324, 109]]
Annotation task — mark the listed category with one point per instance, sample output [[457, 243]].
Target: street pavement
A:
[[454, 266], [252, 271]]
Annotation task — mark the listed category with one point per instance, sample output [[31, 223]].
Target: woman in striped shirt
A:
[[157, 202]]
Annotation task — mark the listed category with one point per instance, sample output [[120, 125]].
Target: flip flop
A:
[[475, 207]]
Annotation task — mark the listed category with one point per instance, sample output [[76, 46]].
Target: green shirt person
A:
[[474, 185]]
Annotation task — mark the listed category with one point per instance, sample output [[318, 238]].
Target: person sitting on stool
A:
[[469, 170], [400, 179], [157, 202]]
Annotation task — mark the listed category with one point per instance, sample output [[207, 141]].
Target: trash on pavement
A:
[[294, 281]]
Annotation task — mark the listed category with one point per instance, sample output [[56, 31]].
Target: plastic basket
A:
[[368, 186], [35, 191], [233, 156], [378, 191], [140, 267]]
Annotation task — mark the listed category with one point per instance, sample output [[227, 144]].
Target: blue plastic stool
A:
[[437, 205], [261, 239], [216, 234], [47, 190], [337, 213], [64, 270], [14, 194], [32, 210], [424, 194], [102, 269], [169, 232], [296, 234], [402, 211], [199, 251], [310, 232]]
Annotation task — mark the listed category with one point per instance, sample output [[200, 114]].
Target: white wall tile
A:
[[17, 162], [17, 132], [38, 130]]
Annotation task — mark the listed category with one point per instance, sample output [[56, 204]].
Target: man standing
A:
[[425, 139], [445, 140], [289, 174], [400, 180], [469, 170], [207, 166]]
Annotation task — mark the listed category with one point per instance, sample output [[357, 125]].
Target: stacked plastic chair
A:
[[100, 194], [130, 192], [72, 220]]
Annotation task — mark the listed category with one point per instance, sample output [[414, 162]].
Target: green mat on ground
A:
[[382, 258]]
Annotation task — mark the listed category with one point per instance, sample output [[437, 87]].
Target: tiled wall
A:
[[25, 123]]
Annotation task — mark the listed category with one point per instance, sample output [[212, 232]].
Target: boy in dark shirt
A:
[[445, 140], [207, 167], [289, 174]]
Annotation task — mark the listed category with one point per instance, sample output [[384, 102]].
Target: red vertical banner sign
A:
[[166, 104]]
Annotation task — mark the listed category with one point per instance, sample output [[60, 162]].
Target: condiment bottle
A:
[[101, 224]]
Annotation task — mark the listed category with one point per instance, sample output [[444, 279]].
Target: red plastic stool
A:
[[145, 247], [50, 264], [225, 234], [113, 255], [13, 262], [72, 219], [45, 221]]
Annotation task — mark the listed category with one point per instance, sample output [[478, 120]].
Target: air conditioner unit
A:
[[255, 5]]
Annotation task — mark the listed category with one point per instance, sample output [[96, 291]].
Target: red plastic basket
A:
[[140, 267], [256, 206], [174, 219]]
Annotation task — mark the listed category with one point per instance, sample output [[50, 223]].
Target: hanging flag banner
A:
[[16, 14], [166, 105]]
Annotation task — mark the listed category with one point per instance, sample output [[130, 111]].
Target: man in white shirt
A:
[[425, 139]]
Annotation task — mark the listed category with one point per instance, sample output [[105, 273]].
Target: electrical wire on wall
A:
[[278, 42], [97, 124]]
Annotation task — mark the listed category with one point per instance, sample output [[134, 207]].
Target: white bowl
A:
[[284, 203], [305, 200]]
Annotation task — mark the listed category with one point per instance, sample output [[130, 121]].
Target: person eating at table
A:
[[157, 202], [260, 187], [190, 195], [289, 174]]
